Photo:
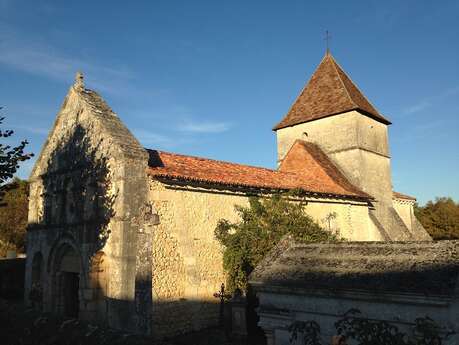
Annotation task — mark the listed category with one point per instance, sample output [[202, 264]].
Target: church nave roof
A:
[[314, 172]]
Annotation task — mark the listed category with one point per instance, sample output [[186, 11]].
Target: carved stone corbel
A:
[[147, 217]]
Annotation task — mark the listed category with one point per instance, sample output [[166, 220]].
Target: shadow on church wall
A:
[[73, 203], [76, 191]]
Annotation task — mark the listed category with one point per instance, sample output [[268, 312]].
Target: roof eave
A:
[[261, 189]]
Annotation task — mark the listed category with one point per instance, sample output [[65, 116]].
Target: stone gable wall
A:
[[86, 190], [351, 219]]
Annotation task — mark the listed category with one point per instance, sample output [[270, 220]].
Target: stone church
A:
[[124, 235]]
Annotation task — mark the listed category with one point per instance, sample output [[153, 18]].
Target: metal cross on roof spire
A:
[[327, 39]]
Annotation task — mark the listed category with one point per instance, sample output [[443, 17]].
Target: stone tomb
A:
[[391, 281]]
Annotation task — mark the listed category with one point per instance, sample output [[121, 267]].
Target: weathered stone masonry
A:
[[86, 189], [187, 259]]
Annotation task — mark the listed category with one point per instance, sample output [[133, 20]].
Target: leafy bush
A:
[[10, 157], [13, 216], [425, 331], [262, 224], [362, 331], [440, 218]]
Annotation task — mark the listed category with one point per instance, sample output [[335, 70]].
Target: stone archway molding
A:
[[59, 250]]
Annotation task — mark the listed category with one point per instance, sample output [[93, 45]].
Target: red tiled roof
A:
[[317, 177], [397, 195], [309, 161], [329, 92]]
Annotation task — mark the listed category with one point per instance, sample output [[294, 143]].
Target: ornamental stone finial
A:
[[79, 82]]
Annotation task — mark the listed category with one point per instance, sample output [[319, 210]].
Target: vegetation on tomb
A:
[[10, 158], [440, 218], [13, 216], [357, 329], [260, 227]]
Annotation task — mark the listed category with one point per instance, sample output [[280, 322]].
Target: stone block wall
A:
[[348, 219], [187, 260], [330, 134], [405, 210]]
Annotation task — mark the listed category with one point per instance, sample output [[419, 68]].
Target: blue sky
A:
[[211, 78]]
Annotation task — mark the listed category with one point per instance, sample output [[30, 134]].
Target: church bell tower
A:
[[334, 114]]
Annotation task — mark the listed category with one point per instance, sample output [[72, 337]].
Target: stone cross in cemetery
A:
[[222, 296]]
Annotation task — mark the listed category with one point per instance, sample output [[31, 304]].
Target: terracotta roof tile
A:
[[397, 195], [309, 161], [316, 179], [329, 92]]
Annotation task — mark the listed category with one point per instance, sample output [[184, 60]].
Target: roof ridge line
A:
[[335, 64], [87, 93], [341, 179], [358, 89], [213, 160], [345, 183], [301, 92], [290, 149]]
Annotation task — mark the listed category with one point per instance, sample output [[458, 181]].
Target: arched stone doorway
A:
[[67, 282]]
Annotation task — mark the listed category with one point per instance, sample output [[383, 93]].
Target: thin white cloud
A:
[[452, 91], [42, 59], [146, 137], [159, 141], [416, 108], [430, 101], [421, 131], [204, 127]]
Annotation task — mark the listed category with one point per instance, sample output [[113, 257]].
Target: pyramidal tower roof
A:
[[329, 92]]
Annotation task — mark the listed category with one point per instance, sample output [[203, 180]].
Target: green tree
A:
[[10, 157], [13, 216], [262, 224], [440, 218]]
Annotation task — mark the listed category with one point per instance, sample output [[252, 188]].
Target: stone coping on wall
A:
[[426, 269]]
